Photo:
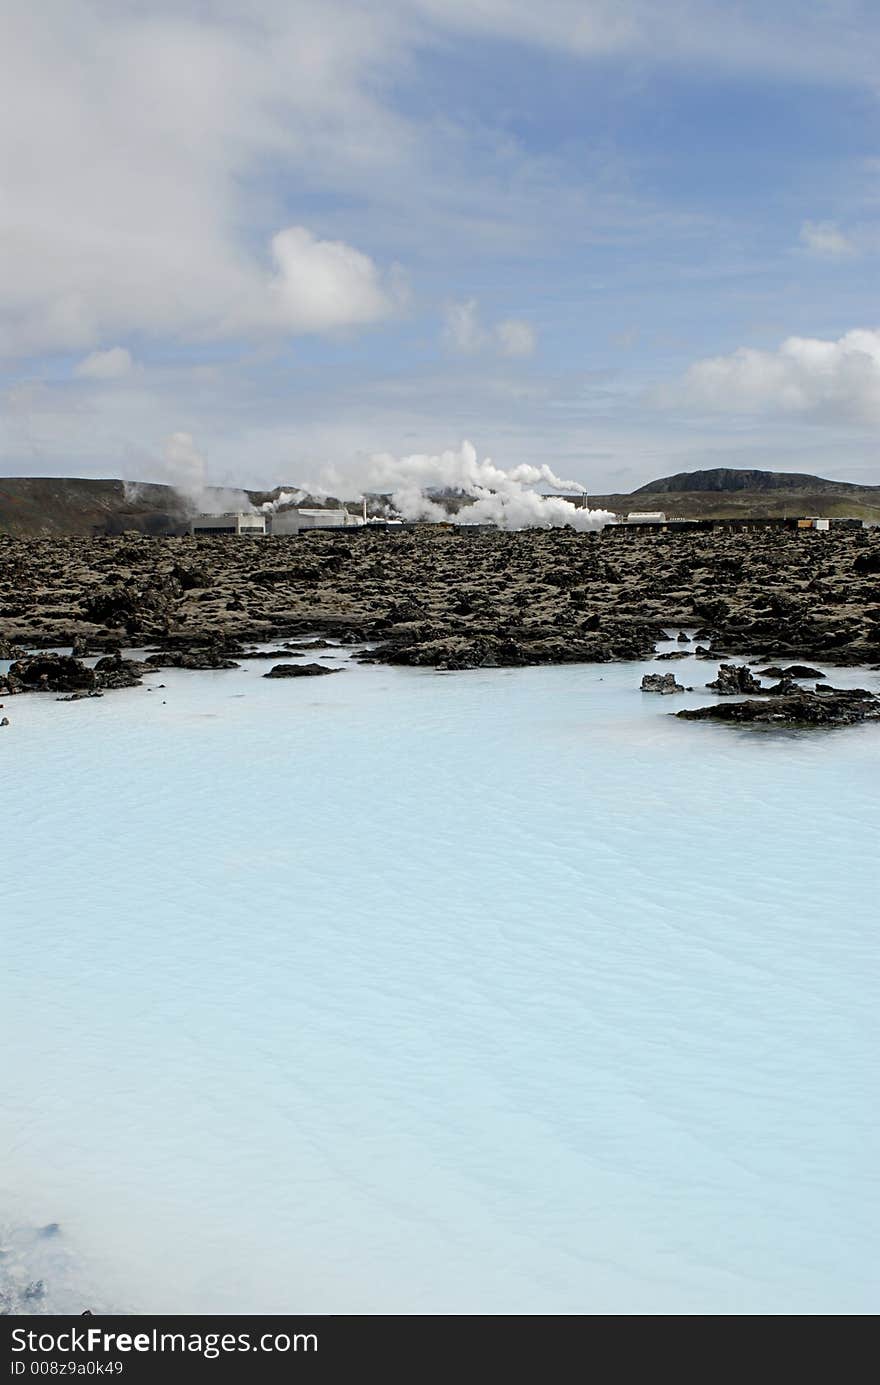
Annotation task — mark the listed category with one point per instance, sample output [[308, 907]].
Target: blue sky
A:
[[620, 240]]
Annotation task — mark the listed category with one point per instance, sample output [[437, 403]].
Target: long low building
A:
[[291, 521], [246, 522]]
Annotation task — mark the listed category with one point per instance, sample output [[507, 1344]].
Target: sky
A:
[[610, 237]]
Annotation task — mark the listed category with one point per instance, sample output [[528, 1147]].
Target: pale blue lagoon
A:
[[493, 992]]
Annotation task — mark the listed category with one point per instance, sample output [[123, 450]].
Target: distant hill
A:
[[31, 505], [34, 505], [725, 492], [730, 479]]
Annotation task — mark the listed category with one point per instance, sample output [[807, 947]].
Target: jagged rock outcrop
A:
[[191, 659], [62, 673], [49, 673], [661, 683], [793, 671], [112, 671], [299, 671], [735, 678], [828, 707]]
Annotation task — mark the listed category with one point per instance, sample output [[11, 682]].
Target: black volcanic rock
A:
[[134, 606], [299, 671], [112, 671], [192, 659], [867, 562], [715, 609], [630, 590], [61, 673], [793, 671], [51, 673], [735, 678], [663, 683], [842, 707]]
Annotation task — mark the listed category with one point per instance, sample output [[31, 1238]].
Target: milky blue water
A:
[[492, 992]]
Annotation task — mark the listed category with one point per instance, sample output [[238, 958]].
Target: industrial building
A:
[[246, 522], [295, 519]]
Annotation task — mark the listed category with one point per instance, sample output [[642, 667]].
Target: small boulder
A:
[[663, 683], [793, 671], [802, 671], [735, 678], [299, 671], [867, 562]]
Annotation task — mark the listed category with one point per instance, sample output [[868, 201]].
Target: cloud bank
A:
[[833, 381], [154, 130]]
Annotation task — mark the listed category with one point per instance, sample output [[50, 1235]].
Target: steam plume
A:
[[269, 507], [500, 497], [186, 470]]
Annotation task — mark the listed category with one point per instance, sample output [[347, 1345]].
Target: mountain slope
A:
[[729, 479], [32, 505]]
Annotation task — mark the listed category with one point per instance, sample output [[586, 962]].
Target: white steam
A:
[[186, 470], [270, 507], [500, 497], [415, 483]]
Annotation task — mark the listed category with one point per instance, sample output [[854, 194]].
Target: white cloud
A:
[[172, 140], [152, 128], [515, 337], [105, 365], [825, 238], [463, 332], [320, 285], [796, 37], [322, 427], [461, 327], [825, 380]]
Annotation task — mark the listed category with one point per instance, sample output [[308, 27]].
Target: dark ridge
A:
[[733, 479]]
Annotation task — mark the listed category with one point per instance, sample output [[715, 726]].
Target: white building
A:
[[645, 517], [293, 520], [246, 522]]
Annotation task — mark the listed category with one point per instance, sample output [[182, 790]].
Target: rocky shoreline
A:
[[435, 597]]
